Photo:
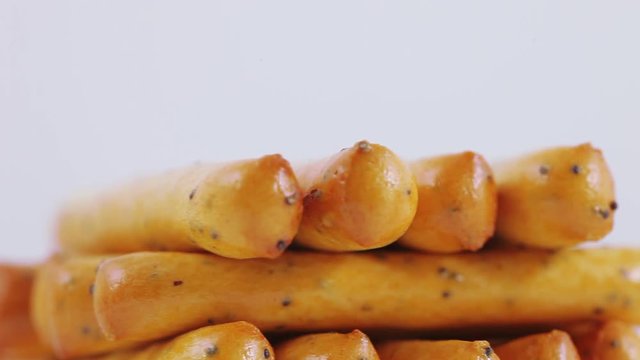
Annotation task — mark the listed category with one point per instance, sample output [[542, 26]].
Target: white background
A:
[[96, 92]]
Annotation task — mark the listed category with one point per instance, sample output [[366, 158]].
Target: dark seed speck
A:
[[210, 321], [315, 193], [281, 245], [267, 353], [177, 282], [192, 194], [312, 195], [380, 255], [602, 212], [543, 170], [598, 311], [488, 351], [446, 294], [576, 169], [448, 274], [210, 351], [614, 343], [286, 301], [613, 206], [214, 235]]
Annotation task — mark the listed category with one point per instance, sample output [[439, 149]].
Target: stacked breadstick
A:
[[193, 264]]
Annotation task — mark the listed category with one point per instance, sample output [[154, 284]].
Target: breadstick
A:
[[555, 198], [436, 350], [457, 204], [328, 346], [611, 340], [18, 340], [362, 198], [244, 209], [554, 345], [62, 308], [147, 296], [233, 341]]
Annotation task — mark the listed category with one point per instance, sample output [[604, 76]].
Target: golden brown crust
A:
[[362, 198], [62, 308], [611, 340], [436, 350], [243, 209], [17, 336], [457, 204], [328, 346], [233, 341], [555, 198], [15, 291], [324, 292], [554, 345]]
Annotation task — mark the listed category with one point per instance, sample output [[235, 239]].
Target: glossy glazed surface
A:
[[555, 198], [233, 341], [436, 350], [554, 345], [62, 308], [328, 346], [362, 198], [611, 340], [151, 295], [457, 204], [244, 209]]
